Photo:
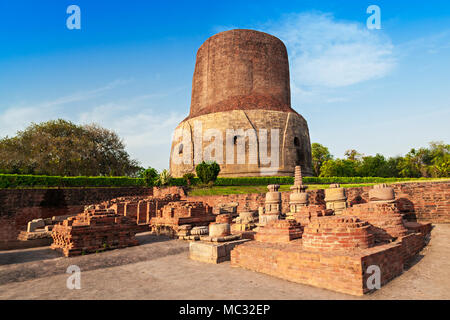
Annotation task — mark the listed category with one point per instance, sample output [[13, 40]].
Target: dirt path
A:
[[160, 269]]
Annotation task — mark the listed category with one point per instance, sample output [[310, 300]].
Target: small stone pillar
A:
[[298, 197], [335, 198], [219, 230], [381, 193], [244, 222], [272, 205]]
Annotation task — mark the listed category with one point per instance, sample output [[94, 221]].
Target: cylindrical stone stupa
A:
[[241, 115]]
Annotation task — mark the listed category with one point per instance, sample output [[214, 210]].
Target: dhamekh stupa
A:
[[241, 89]]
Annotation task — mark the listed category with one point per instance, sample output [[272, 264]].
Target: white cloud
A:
[[18, 117], [327, 53], [147, 135]]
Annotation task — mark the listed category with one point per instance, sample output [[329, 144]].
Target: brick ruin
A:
[[175, 214], [297, 236], [92, 231], [333, 246]]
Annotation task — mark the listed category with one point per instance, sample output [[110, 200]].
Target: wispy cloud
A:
[[17, 117], [324, 52], [431, 44], [326, 55], [147, 135]]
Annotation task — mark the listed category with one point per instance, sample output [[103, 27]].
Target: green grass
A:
[[224, 190]]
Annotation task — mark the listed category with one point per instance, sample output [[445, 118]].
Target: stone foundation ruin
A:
[[303, 240], [335, 247], [94, 230]]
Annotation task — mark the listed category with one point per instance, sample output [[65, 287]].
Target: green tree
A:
[[374, 166], [164, 178], [339, 168], [150, 176], [440, 163], [354, 155], [207, 172], [188, 178], [60, 147], [320, 155]]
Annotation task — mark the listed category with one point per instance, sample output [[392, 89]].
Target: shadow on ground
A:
[[27, 264]]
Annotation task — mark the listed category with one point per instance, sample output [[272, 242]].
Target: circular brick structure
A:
[[337, 233], [241, 82], [381, 192], [224, 218], [219, 229]]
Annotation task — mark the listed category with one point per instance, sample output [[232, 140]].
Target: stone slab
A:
[[212, 252]]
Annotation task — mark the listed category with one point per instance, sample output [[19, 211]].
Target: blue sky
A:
[[130, 68]]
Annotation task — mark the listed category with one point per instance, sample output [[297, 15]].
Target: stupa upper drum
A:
[[241, 113]]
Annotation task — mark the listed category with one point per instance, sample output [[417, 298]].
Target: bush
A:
[[149, 175], [15, 180], [188, 178], [207, 172], [164, 178]]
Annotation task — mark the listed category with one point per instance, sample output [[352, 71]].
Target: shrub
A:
[[188, 178], [207, 171], [15, 180], [149, 175], [164, 178]]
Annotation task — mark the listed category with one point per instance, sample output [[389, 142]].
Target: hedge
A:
[[15, 180], [257, 181]]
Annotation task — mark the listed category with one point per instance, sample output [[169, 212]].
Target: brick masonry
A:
[[344, 271], [18, 206], [421, 201]]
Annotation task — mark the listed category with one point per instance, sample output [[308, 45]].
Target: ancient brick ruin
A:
[[333, 246], [94, 230], [175, 214], [324, 239]]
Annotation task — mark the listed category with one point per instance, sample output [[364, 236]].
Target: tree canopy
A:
[[60, 147], [424, 162], [320, 155]]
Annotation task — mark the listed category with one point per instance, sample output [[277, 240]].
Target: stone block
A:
[[212, 252], [35, 224]]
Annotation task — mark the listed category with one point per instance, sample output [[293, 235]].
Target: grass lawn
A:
[[219, 190], [222, 190]]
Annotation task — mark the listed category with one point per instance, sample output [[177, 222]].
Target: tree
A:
[[320, 154], [149, 175], [207, 172], [338, 168], [440, 163], [354, 155], [164, 178], [373, 166], [60, 147], [188, 178]]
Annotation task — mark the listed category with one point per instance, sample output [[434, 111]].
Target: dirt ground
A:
[[160, 269]]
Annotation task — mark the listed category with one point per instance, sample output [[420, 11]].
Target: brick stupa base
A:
[[93, 231], [279, 231], [338, 270]]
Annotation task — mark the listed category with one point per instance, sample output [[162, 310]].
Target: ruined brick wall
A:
[[340, 272], [422, 201], [18, 206], [254, 200]]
